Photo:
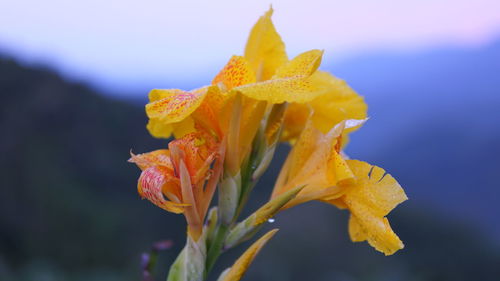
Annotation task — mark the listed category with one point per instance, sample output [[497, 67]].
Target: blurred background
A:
[[74, 78]]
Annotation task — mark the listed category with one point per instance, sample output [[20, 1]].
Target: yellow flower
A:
[[180, 179], [367, 191]]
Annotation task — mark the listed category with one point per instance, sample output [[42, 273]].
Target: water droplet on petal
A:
[[271, 220]]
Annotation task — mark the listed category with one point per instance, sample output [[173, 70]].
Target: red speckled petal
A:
[[237, 72], [150, 187], [176, 107]]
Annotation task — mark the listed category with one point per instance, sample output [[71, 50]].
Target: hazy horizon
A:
[[147, 46]]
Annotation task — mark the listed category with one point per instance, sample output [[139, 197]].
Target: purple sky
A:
[[121, 44]]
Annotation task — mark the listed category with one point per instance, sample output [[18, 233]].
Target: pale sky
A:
[[121, 44]]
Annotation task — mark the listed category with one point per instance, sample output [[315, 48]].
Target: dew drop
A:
[[271, 220]]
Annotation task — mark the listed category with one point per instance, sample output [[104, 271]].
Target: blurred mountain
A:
[[68, 197], [69, 209]]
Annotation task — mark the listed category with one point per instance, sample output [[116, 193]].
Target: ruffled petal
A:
[[376, 189], [150, 185], [373, 196]]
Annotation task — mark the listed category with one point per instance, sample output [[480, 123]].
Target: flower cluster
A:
[[225, 135]]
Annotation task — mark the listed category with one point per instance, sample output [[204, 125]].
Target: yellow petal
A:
[[376, 189], [304, 64], [265, 51], [174, 107], [292, 89], [339, 170], [304, 148], [159, 94], [235, 73], [377, 231], [241, 265], [295, 118], [232, 161], [373, 196], [170, 111], [315, 163], [251, 117], [356, 231], [339, 102], [214, 112], [183, 127], [159, 129]]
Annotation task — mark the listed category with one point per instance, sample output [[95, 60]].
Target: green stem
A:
[[244, 198], [216, 247]]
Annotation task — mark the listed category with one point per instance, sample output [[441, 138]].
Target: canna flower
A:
[[365, 190], [226, 133], [180, 179]]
